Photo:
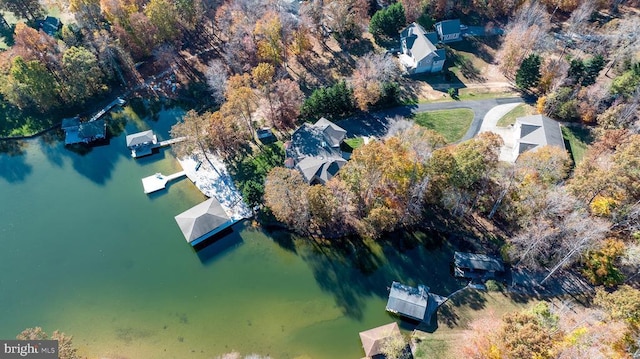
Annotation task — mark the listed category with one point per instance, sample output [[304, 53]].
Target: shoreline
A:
[[215, 182]]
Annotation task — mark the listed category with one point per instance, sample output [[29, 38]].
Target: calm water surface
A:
[[84, 250]]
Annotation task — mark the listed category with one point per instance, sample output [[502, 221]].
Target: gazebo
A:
[[373, 339]]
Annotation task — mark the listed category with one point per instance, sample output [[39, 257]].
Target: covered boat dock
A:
[[203, 221]]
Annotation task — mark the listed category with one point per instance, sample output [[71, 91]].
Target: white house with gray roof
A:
[[418, 51], [314, 150], [535, 131]]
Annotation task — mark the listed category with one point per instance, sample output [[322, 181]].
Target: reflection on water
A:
[[84, 250]]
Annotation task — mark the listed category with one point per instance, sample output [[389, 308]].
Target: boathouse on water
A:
[[83, 132], [203, 221], [141, 143], [413, 303]]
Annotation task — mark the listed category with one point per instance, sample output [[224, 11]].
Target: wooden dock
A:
[[170, 142], [117, 101], [159, 181]]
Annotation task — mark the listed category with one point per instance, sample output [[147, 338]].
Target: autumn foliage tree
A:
[[286, 196], [370, 79], [524, 34]]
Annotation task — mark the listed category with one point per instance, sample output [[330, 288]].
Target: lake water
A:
[[85, 251]]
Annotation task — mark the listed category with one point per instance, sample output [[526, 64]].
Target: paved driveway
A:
[[377, 123]]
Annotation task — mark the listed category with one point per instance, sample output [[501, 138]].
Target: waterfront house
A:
[[203, 221], [373, 339], [314, 150], [83, 132], [535, 131], [419, 53], [141, 143], [476, 266], [449, 30]]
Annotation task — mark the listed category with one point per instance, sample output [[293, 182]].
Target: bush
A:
[[494, 286], [563, 105]]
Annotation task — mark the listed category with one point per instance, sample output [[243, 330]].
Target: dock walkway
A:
[[112, 104], [159, 181]]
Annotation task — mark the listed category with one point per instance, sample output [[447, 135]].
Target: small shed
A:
[[203, 221], [373, 339], [141, 143], [474, 265], [449, 30], [408, 301]]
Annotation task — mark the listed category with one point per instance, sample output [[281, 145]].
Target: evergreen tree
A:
[[592, 69], [386, 23], [528, 74], [329, 102]]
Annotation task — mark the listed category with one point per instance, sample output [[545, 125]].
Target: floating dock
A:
[[159, 181]]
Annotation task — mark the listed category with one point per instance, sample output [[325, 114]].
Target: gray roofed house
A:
[[418, 51], [449, 30], [50, 25], [536, 131], [408, 301], [141, 143], [474, 265], [203, 221], [373, 339], [314, 150]]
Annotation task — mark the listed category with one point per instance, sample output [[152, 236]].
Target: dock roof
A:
[[140, 138], [408, 301], [477, 261], [203, 220], [373, 339]]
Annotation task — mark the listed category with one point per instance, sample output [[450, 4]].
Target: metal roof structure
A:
[[408, 301], [202, 221], [141, 138], [477, 261]]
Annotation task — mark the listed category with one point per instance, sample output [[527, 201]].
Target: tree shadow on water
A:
[[13, 166], [338, 269]]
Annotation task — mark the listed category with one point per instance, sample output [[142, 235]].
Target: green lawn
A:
[[454, 317], [519, 111], [354, 142], [452, 124], [577, 139]]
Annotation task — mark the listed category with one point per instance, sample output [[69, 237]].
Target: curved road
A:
[[376, 123]]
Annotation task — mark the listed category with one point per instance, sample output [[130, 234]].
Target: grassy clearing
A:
[[454, 317], [576, 140], [510, 118], [452, 124], [354, 142], [249, 174]]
